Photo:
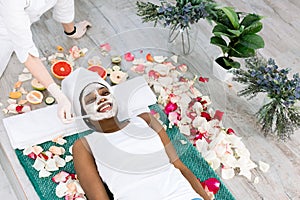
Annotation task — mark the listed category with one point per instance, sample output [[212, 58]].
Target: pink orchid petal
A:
[[105, 47], [183, 67], [60, 177], [129, 57], [218, 115], [170, 107], [140, 68]]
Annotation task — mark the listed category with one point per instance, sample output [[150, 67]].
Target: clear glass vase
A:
[[181, 41]]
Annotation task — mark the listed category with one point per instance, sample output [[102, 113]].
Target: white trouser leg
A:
[[6, 48]]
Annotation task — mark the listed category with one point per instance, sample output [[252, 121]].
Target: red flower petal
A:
[[32, 155], [230, 131], [170, 107], [212, 184], [206, 116], [43, 156], [204, 80], [218, 115], [19, 108]]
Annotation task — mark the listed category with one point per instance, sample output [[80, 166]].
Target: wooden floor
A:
[[115, 21]]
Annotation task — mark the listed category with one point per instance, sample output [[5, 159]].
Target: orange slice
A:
[[99, 69], [61, 69], [34, 97], [15, 95]]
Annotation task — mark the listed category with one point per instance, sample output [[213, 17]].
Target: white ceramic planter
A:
[[221, 73]]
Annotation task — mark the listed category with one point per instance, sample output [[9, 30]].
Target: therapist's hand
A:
[[64, 105]]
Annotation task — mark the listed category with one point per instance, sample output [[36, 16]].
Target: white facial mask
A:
[[98, 102]]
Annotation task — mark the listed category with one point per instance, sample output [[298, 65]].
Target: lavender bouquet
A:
[[280, 116]]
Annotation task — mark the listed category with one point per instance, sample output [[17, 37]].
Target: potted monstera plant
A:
[[236, 33]]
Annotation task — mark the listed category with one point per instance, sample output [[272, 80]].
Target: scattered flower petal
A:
[[149, 57], [263, 166], [256, 180], [204, 80], [44, 173], [105, 47], [129, 57], [57, 150]]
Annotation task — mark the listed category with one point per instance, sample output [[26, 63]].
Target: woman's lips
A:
[[105, 107]]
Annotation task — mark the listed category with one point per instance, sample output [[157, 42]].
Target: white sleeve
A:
[[18, 24], [64, 11]]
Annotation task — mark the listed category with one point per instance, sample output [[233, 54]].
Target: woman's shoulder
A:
[[81, 144]]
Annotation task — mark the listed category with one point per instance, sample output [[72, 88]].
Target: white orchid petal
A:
[[60, 162], [263, 166], [61, 190], [39, 164], [78, 187], [246, 173], [44, 173], [159, 59], [185, 129], [165, 81], [174, 58], [68, 158], [71, 149], [215, 164], [202, 147], [51, 165], [37, 150], [27, 151], [227, 173]]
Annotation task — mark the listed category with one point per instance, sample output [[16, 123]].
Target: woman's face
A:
[[98, 102]]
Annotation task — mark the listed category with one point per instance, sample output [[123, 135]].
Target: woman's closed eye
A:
[[103, 92], [90, 99]]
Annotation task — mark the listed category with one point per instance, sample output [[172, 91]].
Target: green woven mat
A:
[[45, 188]]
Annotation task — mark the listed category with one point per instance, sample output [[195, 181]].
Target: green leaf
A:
[[253, 28], [241, 51], [220, 42], [250, 19], [220, 30], [236, 33], [231, 64], [252, 41], [232, 16]]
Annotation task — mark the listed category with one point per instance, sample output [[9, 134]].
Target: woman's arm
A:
[[186, 172], [87, 172]]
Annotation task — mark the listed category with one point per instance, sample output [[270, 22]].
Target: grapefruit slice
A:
[[99, 69], [61, 69], [37, 85], [34, 97]]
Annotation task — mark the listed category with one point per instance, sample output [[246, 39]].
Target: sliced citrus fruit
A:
[[37, 85], [34, 97], [99, 69], [15, 95], [61, 69]]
